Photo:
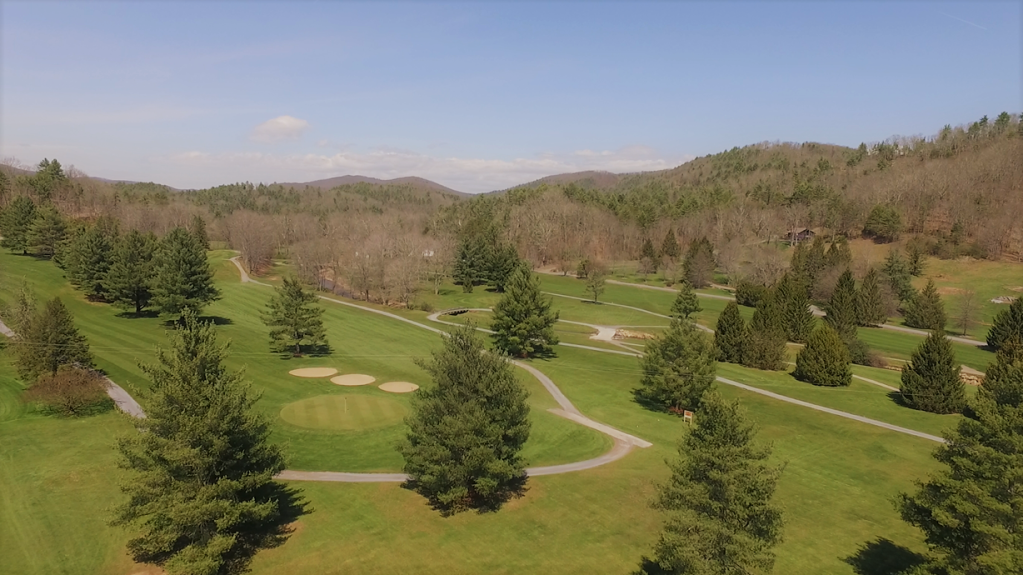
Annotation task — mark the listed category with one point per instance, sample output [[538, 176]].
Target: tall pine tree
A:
[[129, 281], [824, 360], [731, 334], [795, 309], [200, 490], [765, 346], [719, 519], [1008, 324], [925, 310], [1003, 380], [841, 312], [295, 319], [523, 321], [471, 262], [678, 367], [971, 512], [930, 382], [686, 303], [870, 308], [466, 433], [648, 256], [90, 257], [46, 232], [184, 280], [669, 247], [15, 221], [48, 340]]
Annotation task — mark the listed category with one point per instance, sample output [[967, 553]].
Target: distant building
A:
[[799, 235]]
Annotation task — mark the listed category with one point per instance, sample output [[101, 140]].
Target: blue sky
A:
[[481, 96]]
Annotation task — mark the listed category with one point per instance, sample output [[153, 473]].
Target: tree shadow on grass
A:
[[214, 319], [514, 489], [884, 557], [144, 314], [292, 505]]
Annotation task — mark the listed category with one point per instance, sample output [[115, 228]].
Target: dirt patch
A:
[[1016, 288], [353, 379], [314, 372], [950, 291], [629, 334], [970, 379], [398, 387]]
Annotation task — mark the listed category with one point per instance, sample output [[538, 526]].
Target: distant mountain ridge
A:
[[414, 181]]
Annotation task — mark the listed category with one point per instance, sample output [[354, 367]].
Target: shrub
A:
[[70, 392], [749, 294]]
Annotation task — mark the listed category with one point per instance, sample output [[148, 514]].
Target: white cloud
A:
[[464, 174], [279, 129]]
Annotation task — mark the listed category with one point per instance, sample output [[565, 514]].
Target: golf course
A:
[[836, 468]]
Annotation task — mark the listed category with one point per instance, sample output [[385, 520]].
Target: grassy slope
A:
[[594, 521]]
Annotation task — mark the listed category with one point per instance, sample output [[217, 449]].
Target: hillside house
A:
[[797, 235]]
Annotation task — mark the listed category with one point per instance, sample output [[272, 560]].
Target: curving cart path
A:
[[623, 442], [816, 311], [122, 399]]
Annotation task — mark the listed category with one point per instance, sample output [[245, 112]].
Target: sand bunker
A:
[[313, 372], [399, 387], [353, 379], [950, 291]]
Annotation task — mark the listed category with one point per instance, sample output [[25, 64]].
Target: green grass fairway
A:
[[59, 476], [344, 412]]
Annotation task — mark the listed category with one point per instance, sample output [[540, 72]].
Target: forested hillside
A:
[[960, 192]]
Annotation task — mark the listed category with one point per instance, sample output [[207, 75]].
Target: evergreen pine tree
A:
[[503, 262], [795, 308], [686, 303], [870, 309], [915, 259], [896, 271], [471, 263], [669, 247], [48, 341], [841, 312], [15, 221], [731, 334], [816, 262], [971, 511], [678, 367], [198, 229], [200, 493], [295, 320], [465, 435], [824, 360], [184, 280], [523, 322], [797, 265], [648, 257], [765, 345], [1003, 381], [839, 255], [698, 268], [930, 382], [89, 260], [46, 232], [925, 310], [717, 503], [129, 281], [1007, 325]]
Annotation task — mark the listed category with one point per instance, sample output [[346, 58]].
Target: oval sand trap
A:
[[353, 379], [399, 387], [313, 372], [344, 412]]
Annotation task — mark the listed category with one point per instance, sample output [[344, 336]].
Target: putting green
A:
[[344, 412]]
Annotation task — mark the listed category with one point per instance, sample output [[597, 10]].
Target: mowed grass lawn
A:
[[836, 489]]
